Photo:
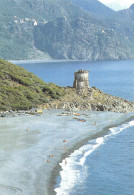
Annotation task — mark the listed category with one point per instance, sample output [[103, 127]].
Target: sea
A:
[[106, 166]]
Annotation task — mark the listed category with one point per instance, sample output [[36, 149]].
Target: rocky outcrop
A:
[[90, 99]]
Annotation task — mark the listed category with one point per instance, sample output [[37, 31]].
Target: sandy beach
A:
[[31, 147]]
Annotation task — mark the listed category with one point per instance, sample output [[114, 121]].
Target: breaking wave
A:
[[73, 168]]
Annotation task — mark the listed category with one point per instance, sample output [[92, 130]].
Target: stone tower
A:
[[81, 79]]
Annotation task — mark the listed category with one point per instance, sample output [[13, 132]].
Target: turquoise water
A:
[[107, 165]]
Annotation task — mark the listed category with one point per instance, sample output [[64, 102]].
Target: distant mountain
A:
[[125, 20], [18, 19], [65, 29], [95, 7], [81, 40], [123, 23]]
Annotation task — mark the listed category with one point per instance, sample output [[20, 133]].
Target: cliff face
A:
[[18, 19], [81, 40], [65, 29]]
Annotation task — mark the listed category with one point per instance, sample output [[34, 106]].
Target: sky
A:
[[118, 4]]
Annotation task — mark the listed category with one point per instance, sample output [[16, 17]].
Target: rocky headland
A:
[[22, 90], [89, 99]]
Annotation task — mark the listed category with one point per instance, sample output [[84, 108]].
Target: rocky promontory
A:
[[22, 90], [89, 99]]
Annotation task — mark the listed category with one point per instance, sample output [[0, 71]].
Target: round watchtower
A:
[[81, 79]]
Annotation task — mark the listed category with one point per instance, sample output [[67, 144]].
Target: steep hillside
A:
[[124, 21], [20, 89], [88, 30], [81, 40], [17, 21], [95, 7], [121, 21]]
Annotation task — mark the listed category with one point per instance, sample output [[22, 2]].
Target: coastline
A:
[[44, 61], [27, 152], [56, 171], [62, 60]]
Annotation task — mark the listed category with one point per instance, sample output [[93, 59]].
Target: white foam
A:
[[92, 148], [116, 130], [70, 172], [69, 176]]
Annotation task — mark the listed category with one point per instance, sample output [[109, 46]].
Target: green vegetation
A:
[[17, 24], [20, 89], [65, 29], [78, 39]]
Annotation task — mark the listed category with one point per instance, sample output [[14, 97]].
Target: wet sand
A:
[[31, 147]]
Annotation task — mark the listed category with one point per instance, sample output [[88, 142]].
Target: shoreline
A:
[[64, 60], [56, 171], [31, 139]]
